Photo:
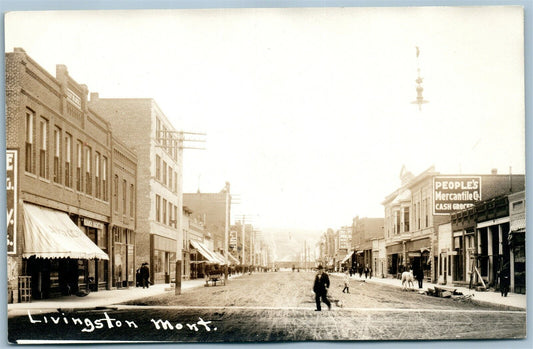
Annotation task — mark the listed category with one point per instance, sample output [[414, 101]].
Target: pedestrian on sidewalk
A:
[[367, 271], [420, 276], [145, 275], [504, 281], [346, 282], [320, 287]]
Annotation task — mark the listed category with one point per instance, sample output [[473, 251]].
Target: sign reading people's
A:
[[11, 200], [455, 193]]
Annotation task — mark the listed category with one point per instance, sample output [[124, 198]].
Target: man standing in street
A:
[[320, 288]]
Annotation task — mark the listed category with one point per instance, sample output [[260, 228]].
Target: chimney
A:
[[494, 171], [94, 96]]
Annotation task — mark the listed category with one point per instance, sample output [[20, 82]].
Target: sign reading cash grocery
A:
[[455, 193], [11, 200]]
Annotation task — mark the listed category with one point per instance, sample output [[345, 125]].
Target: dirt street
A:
[[293, 289], [276, 307]]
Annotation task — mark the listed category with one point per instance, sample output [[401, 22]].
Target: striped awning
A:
[[349, 255], [210, 256], [52, 234], [518, 225], [233, 260]]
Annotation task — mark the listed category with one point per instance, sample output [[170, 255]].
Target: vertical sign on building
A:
[[11, 200], [233, 240]]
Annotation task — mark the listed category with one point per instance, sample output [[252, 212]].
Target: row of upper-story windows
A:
[[165, 174], [167, 139], [75, 164], [123, 196], [165, 211]]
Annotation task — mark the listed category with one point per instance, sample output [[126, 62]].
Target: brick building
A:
[[414, 212], [364, 231], [215, 208], [59, 239], [144, 128], [484, 242], [123, 207]]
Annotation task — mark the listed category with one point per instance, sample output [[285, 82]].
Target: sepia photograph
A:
[[265, 175]]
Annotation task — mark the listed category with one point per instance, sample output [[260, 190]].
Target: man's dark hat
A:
[[320, 267]]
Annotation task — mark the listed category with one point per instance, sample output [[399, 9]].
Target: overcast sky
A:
[[307, 111]]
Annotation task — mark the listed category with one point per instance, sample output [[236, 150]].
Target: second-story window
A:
[[170, 174], [132, 200], [158, 167], [115, 192], [170, 212], [88, 169], [43, 151], [158, 208], [97, 181], [397, 222], [427, 211], [79, 162], [406, 219], [164, 173], [104, 179], [68, 160], [29, 142], [164, 220], [124, 196], [175, 216], [57, 155]]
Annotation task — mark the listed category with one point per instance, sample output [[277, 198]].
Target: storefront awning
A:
[[518, 225], [349, 255], [359, 252], [220, 257], [206, 253], [233, 260], [52, 234]]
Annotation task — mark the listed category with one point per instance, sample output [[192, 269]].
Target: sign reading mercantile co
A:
[[454, 193]]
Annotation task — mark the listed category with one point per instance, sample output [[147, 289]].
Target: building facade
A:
[[364, 232], [143, 127], [414, 212], [59, 200], [487, 241], [216, 210], [123, 207]]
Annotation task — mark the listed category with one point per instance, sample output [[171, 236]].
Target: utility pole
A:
[[226, 232], [173, 142]]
